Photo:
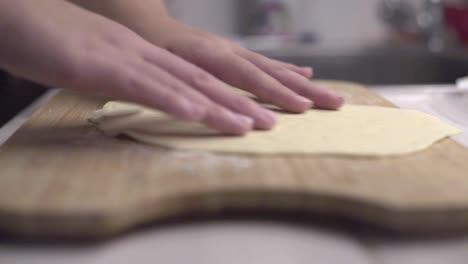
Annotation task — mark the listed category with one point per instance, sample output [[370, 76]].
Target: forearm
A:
[[148, 18], [12, 30], [24, 29]]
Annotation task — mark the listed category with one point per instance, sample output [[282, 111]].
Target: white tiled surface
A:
[[246, 241], [444, 101], [449, 251], [210, 243]]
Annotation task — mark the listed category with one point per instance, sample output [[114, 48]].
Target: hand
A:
[[62, 45], [229, 65], [284, 85]]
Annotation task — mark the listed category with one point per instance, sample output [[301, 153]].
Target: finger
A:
[[224, 120], [253, 57], [215, 116], [134, 84], [239, 72], [321, 97], [118, 80], [216, 90], [161, 76], [247, 76], [307, 72], [142, 90]]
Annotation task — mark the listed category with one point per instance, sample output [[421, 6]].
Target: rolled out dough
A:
[[353, 130]]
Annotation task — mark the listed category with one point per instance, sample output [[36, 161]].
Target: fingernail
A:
[[309, 70], [268, 115], [339, 97], [305, 100], [245, 121], [303, 105], [267, 120], [342, 101]]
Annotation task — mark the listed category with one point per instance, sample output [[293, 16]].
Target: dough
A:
[[353, 130]]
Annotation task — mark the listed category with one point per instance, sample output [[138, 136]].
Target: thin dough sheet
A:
[[353, 130]]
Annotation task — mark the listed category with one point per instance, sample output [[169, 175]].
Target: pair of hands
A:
[[167, 65]]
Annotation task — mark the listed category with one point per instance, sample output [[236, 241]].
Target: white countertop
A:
[[258, 241]]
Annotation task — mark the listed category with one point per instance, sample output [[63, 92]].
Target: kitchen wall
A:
[[336, 21], [219, 16]]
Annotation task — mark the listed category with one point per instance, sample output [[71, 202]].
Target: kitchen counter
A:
[[260, 241]]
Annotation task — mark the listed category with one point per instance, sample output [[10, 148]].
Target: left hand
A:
[[213, 66], [281, 84]]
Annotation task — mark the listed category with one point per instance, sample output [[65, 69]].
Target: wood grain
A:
[[59, 176]]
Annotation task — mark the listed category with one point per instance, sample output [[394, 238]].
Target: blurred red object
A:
[[456, 16]]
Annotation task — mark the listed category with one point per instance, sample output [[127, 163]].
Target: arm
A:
[[60, 44]]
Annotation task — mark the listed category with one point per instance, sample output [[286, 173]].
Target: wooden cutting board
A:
[[59, 176]]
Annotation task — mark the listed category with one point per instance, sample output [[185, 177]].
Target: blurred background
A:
[[334, 21], [374, 42], [367, 41]]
